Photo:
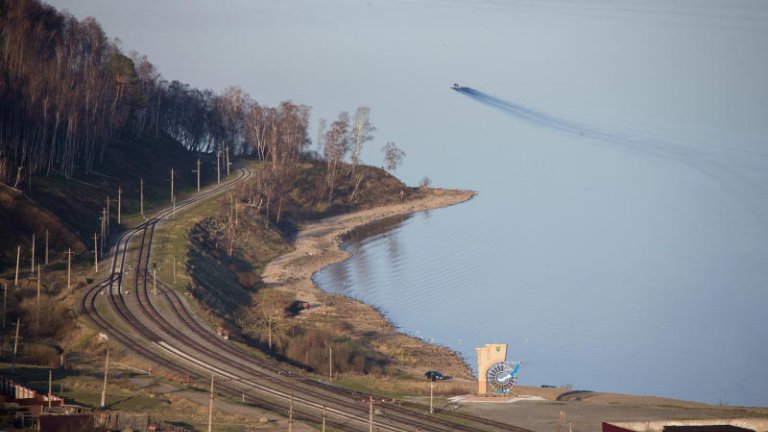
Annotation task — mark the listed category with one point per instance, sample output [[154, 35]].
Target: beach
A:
[[318, 245]]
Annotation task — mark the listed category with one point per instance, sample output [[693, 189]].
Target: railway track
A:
[[161, 328]]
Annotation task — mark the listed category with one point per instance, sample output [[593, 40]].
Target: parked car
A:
[[435, 375]]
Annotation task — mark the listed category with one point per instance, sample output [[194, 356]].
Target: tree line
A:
[[66, 89]]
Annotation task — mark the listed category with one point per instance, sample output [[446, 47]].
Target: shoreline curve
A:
[[318, 245]]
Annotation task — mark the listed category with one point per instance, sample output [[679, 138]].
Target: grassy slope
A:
[[77, 202], [225, 285], [224, 282], [70, 209]]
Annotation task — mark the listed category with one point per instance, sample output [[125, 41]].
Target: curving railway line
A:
[[160, 327]]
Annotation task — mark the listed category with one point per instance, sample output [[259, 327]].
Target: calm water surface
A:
[[619, 241]]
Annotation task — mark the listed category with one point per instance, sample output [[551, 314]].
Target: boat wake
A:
[[748, 191]]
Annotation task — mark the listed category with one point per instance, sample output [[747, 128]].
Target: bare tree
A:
[[336, 147], [267, 315], [322, 124], [393, 156], [232, 107], [362, 132], [257, 122]]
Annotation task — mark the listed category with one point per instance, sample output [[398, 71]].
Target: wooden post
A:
[[210, 408], [218, 166], [370, 413], [172, 195], [154, 279], [18, 260], [141, 199], [32, 270], [37, 318], [198, 174], [16, 345], [119, 203], [330, 363], [69, 268], [46, 247], [290, 415], [50, 385], [106, 374]]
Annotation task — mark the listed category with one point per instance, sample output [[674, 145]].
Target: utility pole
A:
[[323, 429], [18, 260], [198, 174], [370, 413], [69, 268], [50, 385], [46, 247], [106, 374], [141, 200], [37, 318], [106, 215], [16, 345], [218, 166], [119, 203], [431, 395], [210, 408], [95, 253], [104, 231], [154, 279], [330, 363], [5, 301], [174, 267], [290, 415], [226, 151], [172, 195], [32, 270]]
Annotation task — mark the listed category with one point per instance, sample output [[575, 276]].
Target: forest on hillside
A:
[[67, 90]]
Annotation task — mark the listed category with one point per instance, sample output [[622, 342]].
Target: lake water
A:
[[619, 241]]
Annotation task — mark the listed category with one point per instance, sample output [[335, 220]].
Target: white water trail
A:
[[751, 194]]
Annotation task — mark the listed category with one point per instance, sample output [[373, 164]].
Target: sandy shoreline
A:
[[318, 245]]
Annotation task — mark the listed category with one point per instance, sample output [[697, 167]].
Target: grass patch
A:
[[398, 388]]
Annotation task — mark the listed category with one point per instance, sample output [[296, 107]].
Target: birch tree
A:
[[362, 132], [393, 156], [336, 147]]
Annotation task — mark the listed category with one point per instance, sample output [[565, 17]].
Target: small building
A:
[[703, 425]]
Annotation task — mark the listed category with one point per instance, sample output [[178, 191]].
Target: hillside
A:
[[70, 208]]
